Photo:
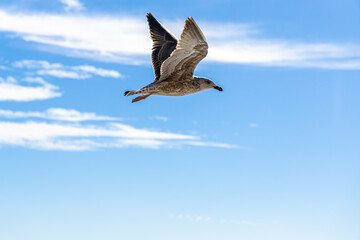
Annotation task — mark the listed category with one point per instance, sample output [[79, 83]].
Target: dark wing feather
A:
[[164, 43], [190, 50]]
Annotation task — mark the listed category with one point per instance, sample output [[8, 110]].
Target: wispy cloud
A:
[[118, 39], [238, 222], [3, 67], [31, 89], [253, 125], [97, 71], [191, 217], [207, 219], [60, 114], [63, 74], [74, 5], [160, 118], [36, 88], [60, 71], [126, 39], [58, 134], [213, 144], [287, 53]]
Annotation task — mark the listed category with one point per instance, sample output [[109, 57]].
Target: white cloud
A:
[[36, 64], [253, 125], [191, 217], [60, 71], [56, 134], [198, 218], [292, 54], [213, 144], [75, 5], [98, 71], [207, 219], [36, 88], [160, 118], [81, 137], [100, 35], [60, 114], [11, 90], [63, 74], [126, 39]]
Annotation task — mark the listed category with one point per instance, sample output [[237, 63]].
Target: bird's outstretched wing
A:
[[190, 50], [163, 44]]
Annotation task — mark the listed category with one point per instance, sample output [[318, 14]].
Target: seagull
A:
[[174, 62]]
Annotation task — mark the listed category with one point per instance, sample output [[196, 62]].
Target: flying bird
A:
[[174, 61]]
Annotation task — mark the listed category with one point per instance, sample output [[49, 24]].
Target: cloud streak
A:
[[60, 71], [70, 5], [253, 125], [60, 114], [83, 137], [159, 118], [126, 40], [36, 89], [59, 134], [206, 219]]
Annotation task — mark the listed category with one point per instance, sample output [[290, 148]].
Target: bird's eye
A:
[[207, 81]]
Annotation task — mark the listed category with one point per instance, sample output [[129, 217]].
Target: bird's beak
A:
[[218, 88]]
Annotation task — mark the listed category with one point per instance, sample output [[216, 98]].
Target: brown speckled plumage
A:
[[174, 61]]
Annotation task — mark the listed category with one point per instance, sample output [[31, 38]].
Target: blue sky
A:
[[273, 157]]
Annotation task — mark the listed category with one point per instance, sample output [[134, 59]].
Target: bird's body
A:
[[170, 88], [174, 62]]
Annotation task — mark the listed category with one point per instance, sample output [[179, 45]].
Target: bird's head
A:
[[206, 83]]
